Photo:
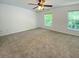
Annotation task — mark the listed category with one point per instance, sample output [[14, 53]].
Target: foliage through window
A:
[[48, 19], [73, 20]]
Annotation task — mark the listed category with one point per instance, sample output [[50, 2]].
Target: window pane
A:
[[73, 20], [48, 20]]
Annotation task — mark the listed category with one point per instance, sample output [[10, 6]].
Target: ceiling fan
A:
[[40, 5]]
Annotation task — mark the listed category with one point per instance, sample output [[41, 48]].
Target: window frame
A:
[[45, 13], [68, 20]]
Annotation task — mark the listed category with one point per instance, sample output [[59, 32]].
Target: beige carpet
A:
[[39, 43]]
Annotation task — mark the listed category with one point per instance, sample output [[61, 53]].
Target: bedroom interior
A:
[[39, 28]]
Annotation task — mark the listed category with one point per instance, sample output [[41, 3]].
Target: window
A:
[[73, 20], [48, 19]]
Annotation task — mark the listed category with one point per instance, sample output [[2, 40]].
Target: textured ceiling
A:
[[24, 3]]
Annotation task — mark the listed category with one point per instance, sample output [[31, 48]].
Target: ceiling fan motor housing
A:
[[41, 1]]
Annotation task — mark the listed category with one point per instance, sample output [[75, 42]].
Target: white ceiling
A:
[[24, 3]]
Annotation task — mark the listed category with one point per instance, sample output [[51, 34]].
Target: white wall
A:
[[60, 19], [15, 19]]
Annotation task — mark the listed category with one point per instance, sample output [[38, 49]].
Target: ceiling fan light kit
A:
[[40, 8]]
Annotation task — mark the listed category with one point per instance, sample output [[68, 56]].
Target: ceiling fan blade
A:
[[32, 4], [35, 7], [48, 5]]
